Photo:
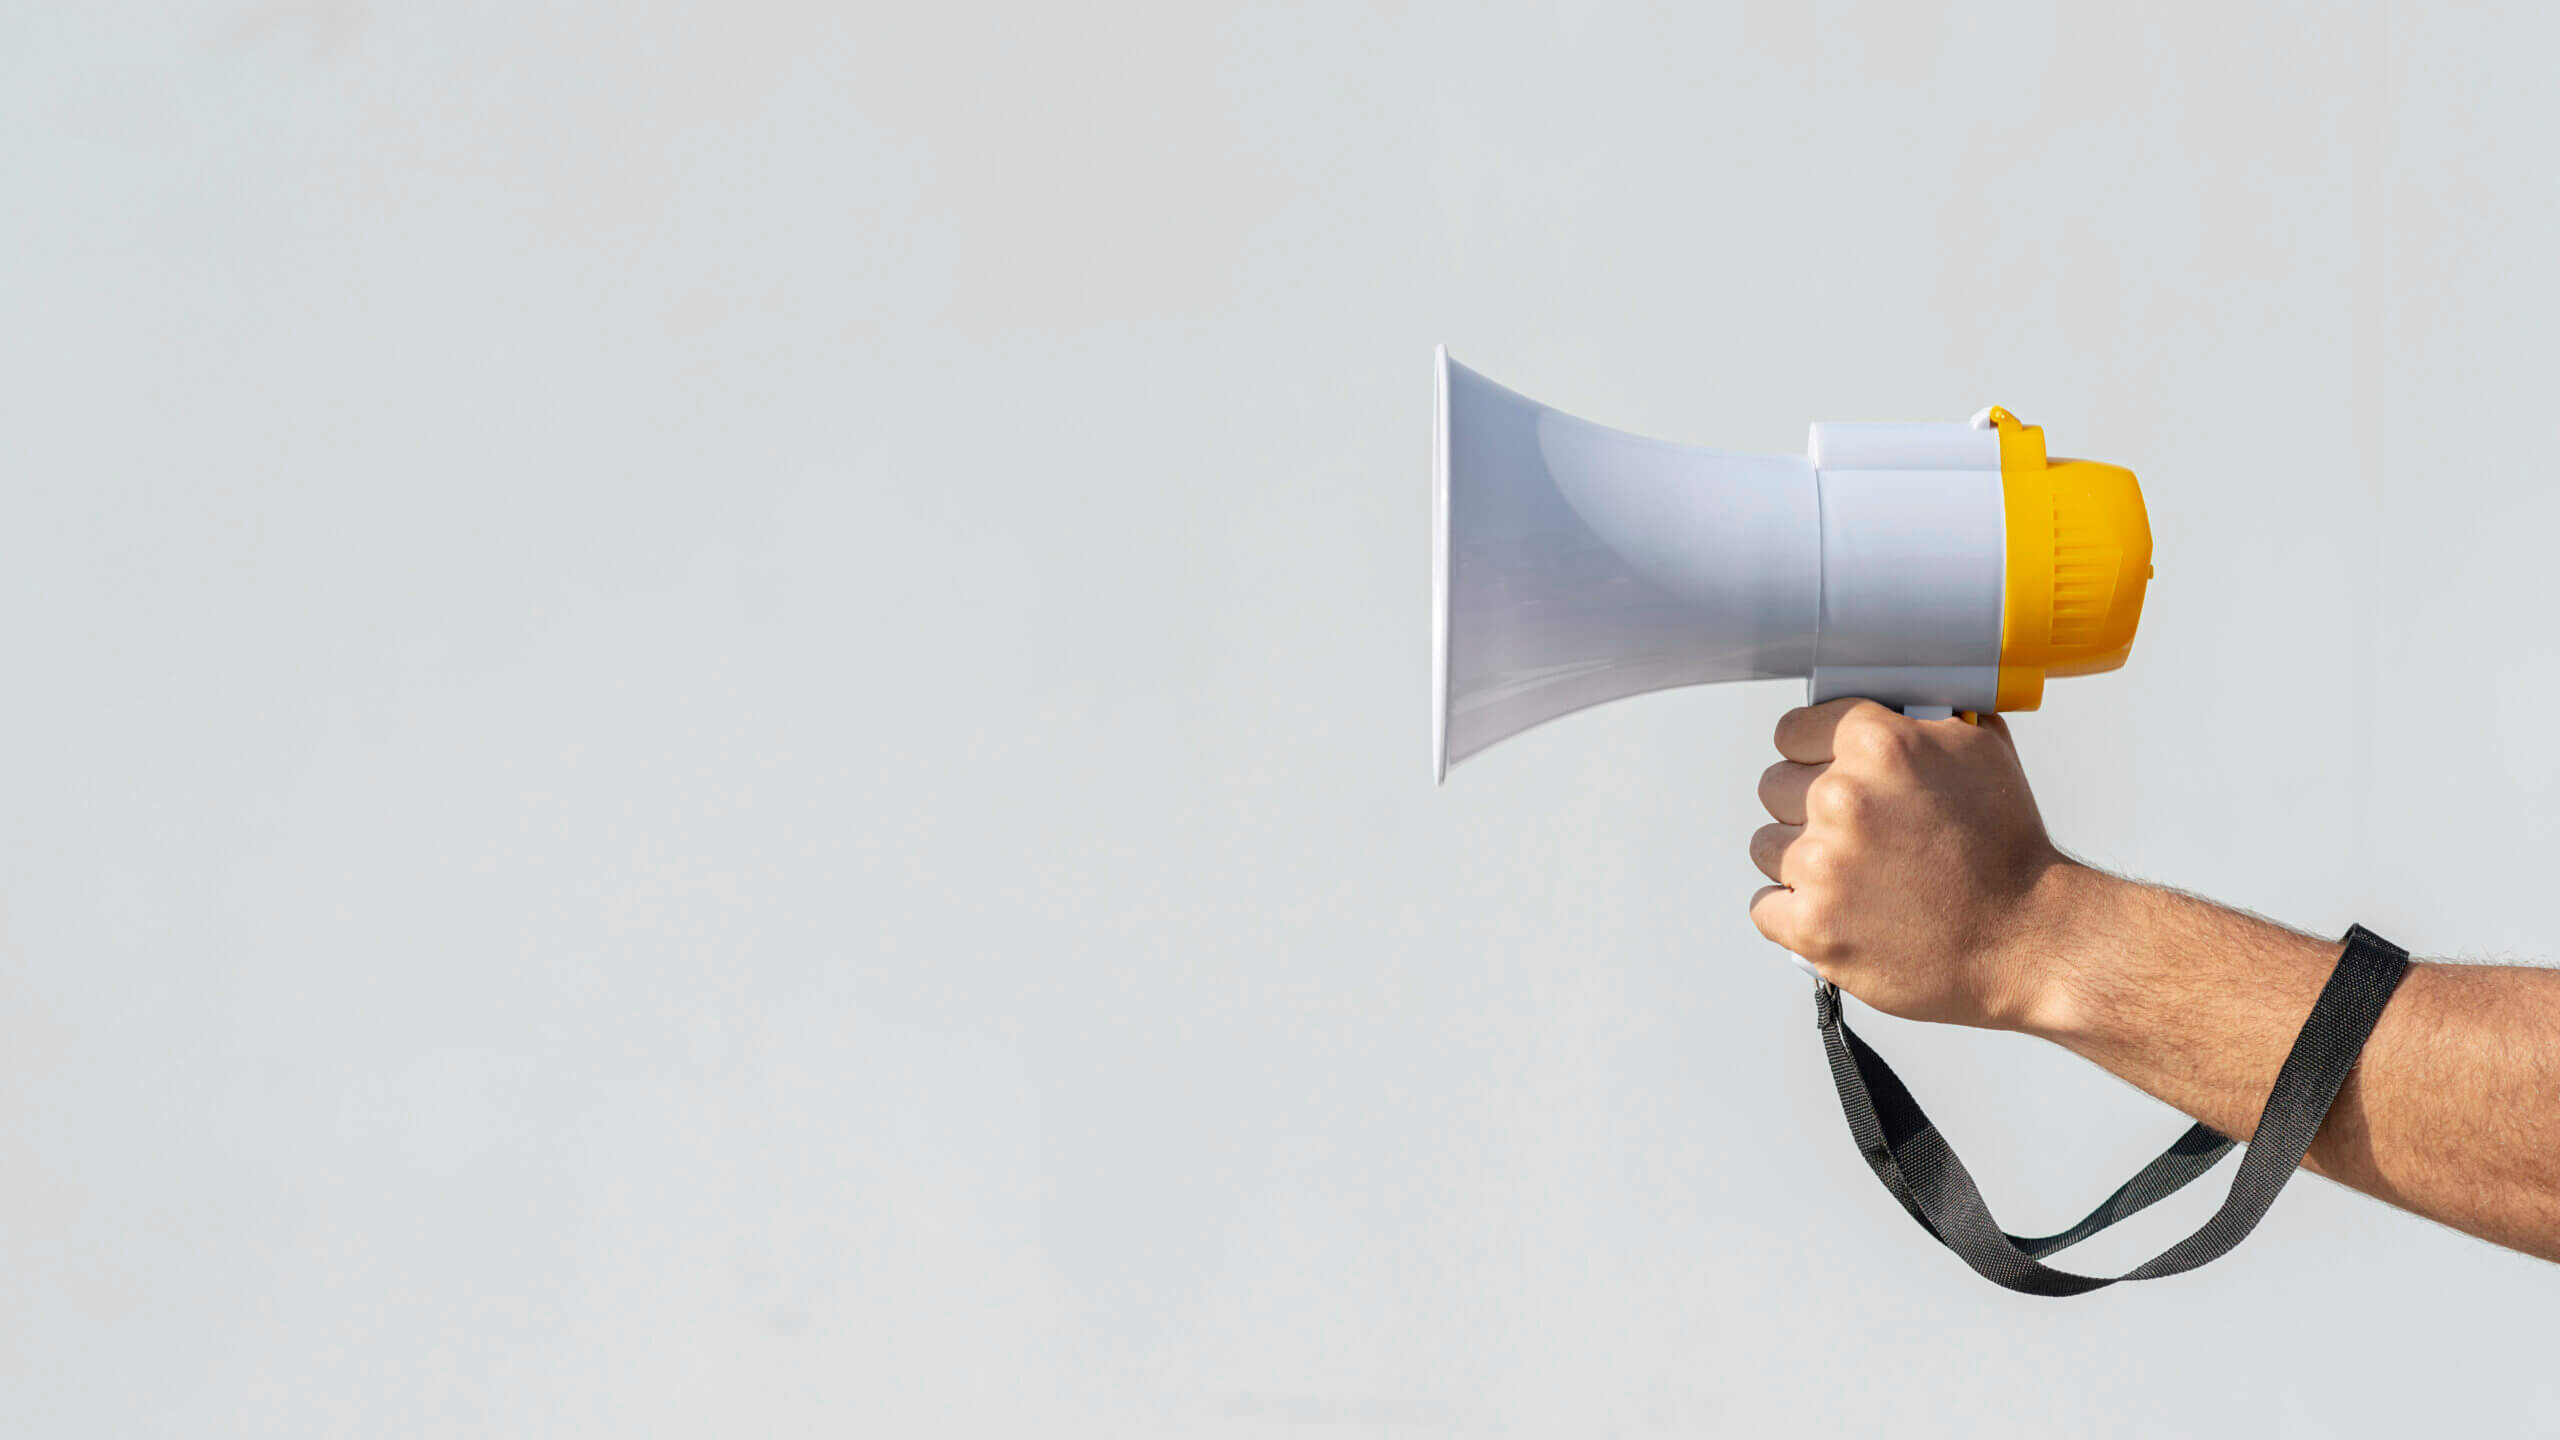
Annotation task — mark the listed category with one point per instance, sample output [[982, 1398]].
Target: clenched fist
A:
[[1912, 868]]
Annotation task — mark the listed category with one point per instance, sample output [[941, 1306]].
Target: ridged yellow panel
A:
[[2079, 561], [2085, 556]]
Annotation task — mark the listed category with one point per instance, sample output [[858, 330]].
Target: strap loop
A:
[[1915, 1163]]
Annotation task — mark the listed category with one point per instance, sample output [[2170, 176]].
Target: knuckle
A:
[[1876, 739], [1813, 863], [1821, 933], [1857, 740], [1839, 799]]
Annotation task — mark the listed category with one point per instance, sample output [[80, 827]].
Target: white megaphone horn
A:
[[1938, 568]]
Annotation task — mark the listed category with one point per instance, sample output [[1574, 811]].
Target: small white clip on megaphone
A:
[[1938, 568]]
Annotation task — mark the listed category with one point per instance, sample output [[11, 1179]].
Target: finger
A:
[[1782, 789], [1769, 848], [1805, 736], [1773, 911]]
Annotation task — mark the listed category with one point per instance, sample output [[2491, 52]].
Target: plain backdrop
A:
[[717, 712]]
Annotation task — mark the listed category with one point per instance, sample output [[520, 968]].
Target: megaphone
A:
[[1934, 567], [1938, 568]]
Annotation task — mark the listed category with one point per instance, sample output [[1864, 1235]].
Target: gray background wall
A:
[[717, 712]]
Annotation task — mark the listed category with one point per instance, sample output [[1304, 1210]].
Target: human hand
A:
[[1913, 870]]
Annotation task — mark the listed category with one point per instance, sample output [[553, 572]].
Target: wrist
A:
[[2064, 977]]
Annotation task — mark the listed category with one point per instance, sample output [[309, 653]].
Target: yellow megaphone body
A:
[[1936, 567]]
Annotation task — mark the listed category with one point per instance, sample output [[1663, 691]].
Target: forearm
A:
[[2453, 1112]]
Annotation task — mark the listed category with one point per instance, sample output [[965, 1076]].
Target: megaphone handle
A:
[[1915, 1163], [1942, 712]]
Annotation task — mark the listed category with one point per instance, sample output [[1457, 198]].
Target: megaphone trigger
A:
[[1942, 712]]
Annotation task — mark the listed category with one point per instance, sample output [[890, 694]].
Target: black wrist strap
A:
[[1915, 1163]]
